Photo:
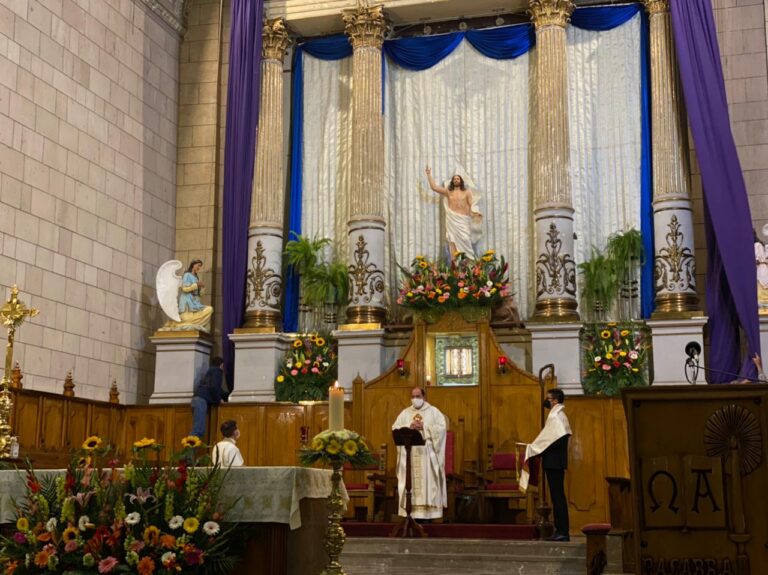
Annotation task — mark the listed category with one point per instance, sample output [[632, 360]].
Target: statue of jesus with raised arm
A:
[[461, 212]]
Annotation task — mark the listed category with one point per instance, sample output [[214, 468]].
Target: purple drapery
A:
[[731, 274], [239, 152]]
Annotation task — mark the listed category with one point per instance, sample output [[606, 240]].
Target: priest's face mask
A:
[[417, 398], [549, 402]]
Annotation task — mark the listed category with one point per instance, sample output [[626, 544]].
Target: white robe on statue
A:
[[227, 454], [556, 426], [428, 488]]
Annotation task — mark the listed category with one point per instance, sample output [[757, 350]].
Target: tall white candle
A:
[[336, 407]]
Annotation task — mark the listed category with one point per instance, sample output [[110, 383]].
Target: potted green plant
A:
[[599, 285], [627, 254], [324, 284]]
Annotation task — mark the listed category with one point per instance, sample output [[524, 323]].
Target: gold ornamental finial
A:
[[550, 12], [12, 314], [69, 385], [365, 25], [16, 376], [114, 394], [275, 39]]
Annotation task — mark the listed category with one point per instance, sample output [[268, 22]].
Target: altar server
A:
[[225, 452], [428, 492], [552, 446]]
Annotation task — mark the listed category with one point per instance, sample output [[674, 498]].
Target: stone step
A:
[[375, 556]]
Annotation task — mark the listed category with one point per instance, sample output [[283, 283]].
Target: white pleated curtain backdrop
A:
[[327, 149], [605, 132], [472, 112], [468, 111]]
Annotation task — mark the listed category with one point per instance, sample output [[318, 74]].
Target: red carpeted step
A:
[[447, 530]]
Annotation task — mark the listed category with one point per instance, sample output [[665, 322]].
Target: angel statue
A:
[[761, 260], [185, 310], [463, 220]]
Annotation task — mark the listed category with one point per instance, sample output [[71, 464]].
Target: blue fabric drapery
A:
[[505, 42]]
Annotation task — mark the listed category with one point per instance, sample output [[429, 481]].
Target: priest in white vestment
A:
[[428, 489], [225, 452]]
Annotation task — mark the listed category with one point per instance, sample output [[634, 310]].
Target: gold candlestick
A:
[[334, 533], [12, 314]]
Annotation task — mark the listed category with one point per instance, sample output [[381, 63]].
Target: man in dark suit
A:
[[207, 393], [552, 446]]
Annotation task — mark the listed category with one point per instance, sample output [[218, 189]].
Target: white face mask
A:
[[417, 402]]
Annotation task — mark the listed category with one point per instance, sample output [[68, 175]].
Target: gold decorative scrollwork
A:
[[555, 272], [675, 265], [657, 6], [367, 279], [265, 286]]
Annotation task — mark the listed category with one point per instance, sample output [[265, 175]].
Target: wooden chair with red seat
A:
[[373, 493], [502, 480], [454, 481]]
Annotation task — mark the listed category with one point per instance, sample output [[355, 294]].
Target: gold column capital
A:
[[275, 39], [550, 12], [656, 6], [366, 25]]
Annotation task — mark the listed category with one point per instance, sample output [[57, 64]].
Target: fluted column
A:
[[366, 26], [553, 211], [674, 262], [265, 234]]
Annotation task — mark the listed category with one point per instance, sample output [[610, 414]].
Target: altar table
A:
[[283, 508]]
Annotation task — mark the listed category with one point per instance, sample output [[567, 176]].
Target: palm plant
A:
[[323, 283], [626, 251], [599, 284]]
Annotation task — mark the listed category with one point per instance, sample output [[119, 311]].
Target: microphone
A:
[[693, 350]]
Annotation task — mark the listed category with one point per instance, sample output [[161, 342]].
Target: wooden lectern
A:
[[408, 438]]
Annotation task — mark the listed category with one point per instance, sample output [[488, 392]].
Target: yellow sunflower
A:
[[317, 444], [490, 252], [605, 334], [362, 444], [611, 324], [144, 442], [350, 447], [423, 264], [320, 342], [69, 534], [624, 332], [487, 258], [191, 441], [93, 442], [191, 524], [280, 379], [22, 524], [333, 447], [297, 343], [152, 535]]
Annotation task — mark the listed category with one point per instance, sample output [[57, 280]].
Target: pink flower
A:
[[307, 362], [606, 367], [106, 565], [70, 546], [294, 372], [19, 538], [304, 370], [315, 370]]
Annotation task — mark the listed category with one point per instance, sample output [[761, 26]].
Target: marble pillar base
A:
[[558, 343], [257, 362], [181, 359], [764, 338], [670, 336], [360, 353]]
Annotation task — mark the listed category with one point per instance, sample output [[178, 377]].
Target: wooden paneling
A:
[[248, 418], [77, 427], [53, 413], [283, 422], [27, 420]]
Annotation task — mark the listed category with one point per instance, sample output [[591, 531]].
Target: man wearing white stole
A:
[[552, 446], [463, 220], [428, 489]]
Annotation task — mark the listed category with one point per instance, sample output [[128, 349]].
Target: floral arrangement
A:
[[614, 356], [310, 366], [143, 519], [337, 447], [462, 282]]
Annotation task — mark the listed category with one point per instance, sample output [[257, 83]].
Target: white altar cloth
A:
[[266, 494]]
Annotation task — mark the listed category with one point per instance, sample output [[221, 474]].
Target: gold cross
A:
[[12, 314]]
